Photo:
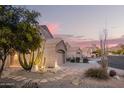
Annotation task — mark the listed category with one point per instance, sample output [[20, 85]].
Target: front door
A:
[[60, 57], [14, 61]]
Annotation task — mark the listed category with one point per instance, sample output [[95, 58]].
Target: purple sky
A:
[[81, 25]]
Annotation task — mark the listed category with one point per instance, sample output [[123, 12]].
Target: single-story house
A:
[[54, 51]]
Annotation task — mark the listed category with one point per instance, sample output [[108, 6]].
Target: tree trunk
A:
[[104, 63], [26, 65], [2, 67]]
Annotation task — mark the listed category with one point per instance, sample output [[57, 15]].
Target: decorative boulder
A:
[[35, 68], [117, 77], [76, 81], [112, 73]]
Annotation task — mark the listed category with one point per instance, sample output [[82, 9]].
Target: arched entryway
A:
[[61, 57], [14, 62], [55, 53]]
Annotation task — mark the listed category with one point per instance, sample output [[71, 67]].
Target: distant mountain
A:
[[114, 47]]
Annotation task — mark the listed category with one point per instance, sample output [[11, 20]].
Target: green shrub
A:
[[97, 73]]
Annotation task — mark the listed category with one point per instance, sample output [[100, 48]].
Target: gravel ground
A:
[[84, 83], [66, 82], [70, 76]]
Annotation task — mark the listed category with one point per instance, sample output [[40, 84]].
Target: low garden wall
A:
[[116, 61]]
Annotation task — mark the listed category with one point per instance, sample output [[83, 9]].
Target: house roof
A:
[[67, 45], [74, 49], [54, 42], [44, 32]]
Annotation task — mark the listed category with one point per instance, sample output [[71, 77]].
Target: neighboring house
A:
[[74, 52], [54, 52], [87, 51]]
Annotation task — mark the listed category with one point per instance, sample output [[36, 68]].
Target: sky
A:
[[80, 25]]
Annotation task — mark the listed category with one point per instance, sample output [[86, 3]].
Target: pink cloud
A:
[[111, 42], [82, 42], [53, 27]]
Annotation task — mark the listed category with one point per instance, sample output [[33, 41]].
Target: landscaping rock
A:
[[112, 73], [44, 81], [35, 68], [36, 80], [58, 78], [22, 79], [117, 77], [76, 81], [51, 79], [52, 70]]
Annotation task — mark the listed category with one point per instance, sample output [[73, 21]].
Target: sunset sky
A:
[[81, 25]]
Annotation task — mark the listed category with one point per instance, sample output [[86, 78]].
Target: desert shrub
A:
[[77, 59], [85, 60], [97, 73], [30, 85], [112, 73]]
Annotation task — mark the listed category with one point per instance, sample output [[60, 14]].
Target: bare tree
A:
[[104, 50]]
